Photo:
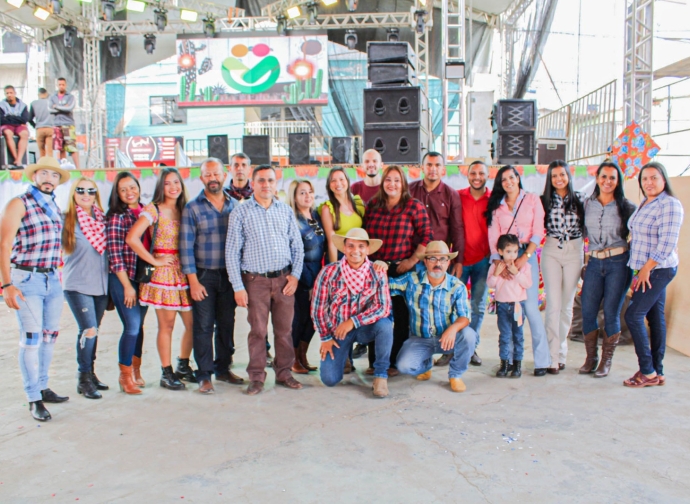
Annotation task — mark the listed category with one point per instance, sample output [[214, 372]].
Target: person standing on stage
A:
[[62, 105], [14, 115], [41, 119], [202, 254], [30, 254], [264, 257], [239, 185], [369, 186]]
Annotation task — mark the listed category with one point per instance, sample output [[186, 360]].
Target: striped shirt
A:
[[38, 243], [261, 240], [655, 229], [203, 232], [432, 309]]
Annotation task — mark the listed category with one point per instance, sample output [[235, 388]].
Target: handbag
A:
[[144, 270]]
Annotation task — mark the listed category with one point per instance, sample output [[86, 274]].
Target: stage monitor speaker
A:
[[396, 143], [390, 52], [515, 115], [516, 148], [341, 150], [218, 148], [391, 74], [258, 148], [550, 150], [393, 105], [298, 148]]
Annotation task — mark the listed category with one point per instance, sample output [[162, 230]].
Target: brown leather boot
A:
[[592, 348], [303, 347], [297, 366], [127, 381], [607, 349], [136, 370]]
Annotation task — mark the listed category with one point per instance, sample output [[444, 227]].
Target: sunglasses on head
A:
[[83, 190]]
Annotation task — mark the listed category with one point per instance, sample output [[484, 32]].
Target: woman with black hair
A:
[[511, 210], [606, 274], [561, 257], [655, 229]]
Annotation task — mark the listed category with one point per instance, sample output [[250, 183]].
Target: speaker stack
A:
[[514, 123], [395, 109]]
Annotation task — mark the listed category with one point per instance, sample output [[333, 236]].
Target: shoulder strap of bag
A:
[[516, 213]]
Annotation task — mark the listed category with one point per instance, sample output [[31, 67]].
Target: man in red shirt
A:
[[367, 188]]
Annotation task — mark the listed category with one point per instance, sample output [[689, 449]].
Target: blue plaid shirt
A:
[[432, 309], [202, 234], [654, 229], [262, 240]]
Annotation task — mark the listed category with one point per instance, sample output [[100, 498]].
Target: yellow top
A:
[[347, 222]]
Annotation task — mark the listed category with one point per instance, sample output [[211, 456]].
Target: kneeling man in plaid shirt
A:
[[350, 304]]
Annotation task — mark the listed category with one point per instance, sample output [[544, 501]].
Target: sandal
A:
[[662, 380], [638, 380]]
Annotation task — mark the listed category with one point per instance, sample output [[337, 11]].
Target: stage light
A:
[[41, 13], [57, 7], [294, 12], [69, 36], [115, 46], [352, 5], [329, 2], [312, 12], [421, 23], [15, 3], [350, 39], [149, 43], [188, 15], [160, 18], [136, 6], [210, 27], [422, 3], [392, 34], [108, 7], [281, 25]]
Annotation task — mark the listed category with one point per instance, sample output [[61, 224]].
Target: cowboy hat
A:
[[48, 163], [356, 234], [437, 248]]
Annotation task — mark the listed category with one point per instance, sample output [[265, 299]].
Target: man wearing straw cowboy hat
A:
[[351, 303], [439, 317], [30, 248]]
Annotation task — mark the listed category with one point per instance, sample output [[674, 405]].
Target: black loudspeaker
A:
[[515, 115], [218, 148], [516, 148], [298, 148], [389, 74], [390, 52], [341, 150], [402, 144], [393, 105], [258, 148]]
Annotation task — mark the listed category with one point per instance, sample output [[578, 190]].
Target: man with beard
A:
[[439, 317], [30, 253], [202, 242], [367, 188]]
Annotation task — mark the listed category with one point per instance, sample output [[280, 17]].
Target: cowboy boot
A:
[[297, 366], [592, 347], [303, 347], [136, 370], [126, 381], [609, 346]]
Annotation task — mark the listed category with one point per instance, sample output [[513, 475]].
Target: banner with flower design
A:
[[633, 149]]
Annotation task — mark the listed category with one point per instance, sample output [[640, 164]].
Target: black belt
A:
[[33, 269], [270, 274]]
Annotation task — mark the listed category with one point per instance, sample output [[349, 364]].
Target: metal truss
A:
[[509, 38], [638, 74], [8, 23], [453, 47], [92, 92]]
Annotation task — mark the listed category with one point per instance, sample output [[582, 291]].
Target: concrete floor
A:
[[565, 438]]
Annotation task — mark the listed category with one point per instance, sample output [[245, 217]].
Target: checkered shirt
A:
[[39, 239], [120, 255], [561, 224], [402, 229]]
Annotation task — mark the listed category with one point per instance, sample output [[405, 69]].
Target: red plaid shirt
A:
[[120, 255], [402, 229]]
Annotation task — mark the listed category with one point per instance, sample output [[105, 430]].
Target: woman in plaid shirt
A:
[[655, 229]]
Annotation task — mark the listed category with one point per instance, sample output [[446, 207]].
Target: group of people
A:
[[51, 116], [381, 264]]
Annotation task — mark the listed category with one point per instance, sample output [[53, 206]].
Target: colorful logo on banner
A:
[[633, 149], [267, 70]]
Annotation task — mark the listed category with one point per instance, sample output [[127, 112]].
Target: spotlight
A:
[[188, 15], [136, 5], [281, 25], [392, 34], [329, 2], [149, 43], [160, 17], [15, 3], [108, 7], [294, 12], [115, 46], [41, 13], [350, 39], [312, 12], [210, 27], [421, 22], [69, 36], [57, 7], [352, 5]]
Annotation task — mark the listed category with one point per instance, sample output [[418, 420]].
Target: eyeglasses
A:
[[90, 191], [314, 225], [434, 260]]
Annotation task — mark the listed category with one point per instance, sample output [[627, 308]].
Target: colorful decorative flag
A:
[[633, 149]]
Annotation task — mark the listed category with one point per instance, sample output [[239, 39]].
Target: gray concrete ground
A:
[[564, 438]]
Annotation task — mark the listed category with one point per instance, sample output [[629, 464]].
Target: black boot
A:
[[517, 369], [184, 371], [98, 383], [39, 412], [503, 370], [169, 380], [51, 397], [87, 386]]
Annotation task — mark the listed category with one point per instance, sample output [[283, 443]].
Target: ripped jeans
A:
[[39, 324], [88, 312]]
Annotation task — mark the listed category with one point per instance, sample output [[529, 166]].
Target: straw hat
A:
[[48, 163], [437, 248], [356, 234]]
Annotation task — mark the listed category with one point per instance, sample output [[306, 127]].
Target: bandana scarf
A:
[[93, 228], [356, 279], [48, 206], [240, 193]]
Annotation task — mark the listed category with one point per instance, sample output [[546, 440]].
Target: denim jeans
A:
[[540, 345], [477, 274], [511, 342], [650, 349], [132, 338], [302, 323], [607, 279], [215, 315], [88, 312], [416, 355], [39, 325], [380, 332]]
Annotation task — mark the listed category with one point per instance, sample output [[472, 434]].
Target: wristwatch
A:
[[529, 255]]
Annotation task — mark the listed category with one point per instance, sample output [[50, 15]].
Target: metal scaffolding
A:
[[453, 46], [92, 88], [638, 71]]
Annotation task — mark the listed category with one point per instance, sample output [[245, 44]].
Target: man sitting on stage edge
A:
[[351, 303], [439, 317]]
